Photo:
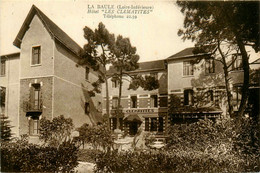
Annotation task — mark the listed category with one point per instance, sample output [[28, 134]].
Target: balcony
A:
[[32, 108]]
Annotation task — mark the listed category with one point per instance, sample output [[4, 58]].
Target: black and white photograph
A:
[[129, 86]]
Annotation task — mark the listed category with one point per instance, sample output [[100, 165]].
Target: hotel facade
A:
[[45, 79]]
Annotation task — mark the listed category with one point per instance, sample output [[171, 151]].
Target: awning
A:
[[133, 118]]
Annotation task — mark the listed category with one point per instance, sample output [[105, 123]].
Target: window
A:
[[237, 62], [87, 108], [154, 101], [36, 55], [153, 124], [133, 101], [35, 97], [210, 66], [209, 96], [115, 84], [146, 126], [238, 95], [33, 127], [160, 128], [87, 73], [164, 102], [114, 102], [113, 123], [187, 68], [3, 64], [188, 97]]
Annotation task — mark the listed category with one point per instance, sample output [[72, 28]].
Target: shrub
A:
[[206, 146], [56, 131], [162, 161], [5, 128], [98, 136], [88, 155], [26, 157]]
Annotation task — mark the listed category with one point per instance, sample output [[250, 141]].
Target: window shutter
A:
[[31, 124]]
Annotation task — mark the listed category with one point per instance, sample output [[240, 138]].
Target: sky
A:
[[153, 34]]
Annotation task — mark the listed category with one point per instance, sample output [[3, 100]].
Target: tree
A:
[[97, 53], [125, 61], [221, 58], [216, 22], [5, 128], [55, 132]]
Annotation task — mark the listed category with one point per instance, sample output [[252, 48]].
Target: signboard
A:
[[137, 110]]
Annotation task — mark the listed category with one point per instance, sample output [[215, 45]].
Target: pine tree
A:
[[5, 128]]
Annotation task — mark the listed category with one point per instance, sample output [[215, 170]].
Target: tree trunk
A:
[[107, 103], [245, 87], [119, 100], [229, 95]]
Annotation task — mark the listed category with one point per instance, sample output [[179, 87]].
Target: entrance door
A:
[[133, 127]]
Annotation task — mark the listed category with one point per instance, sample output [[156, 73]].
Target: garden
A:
[[222, 145]]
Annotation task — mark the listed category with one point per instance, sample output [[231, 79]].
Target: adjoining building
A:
[[195, 79], [45, 79], [147, 109]]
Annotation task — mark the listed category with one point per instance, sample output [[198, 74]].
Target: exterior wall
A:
[[36, 35], [11, 82], [71, 89], [42, 73], [144, 108], [46, 98], [176, 81]]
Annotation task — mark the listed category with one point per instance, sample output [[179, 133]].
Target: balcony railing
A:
[[32, 106]]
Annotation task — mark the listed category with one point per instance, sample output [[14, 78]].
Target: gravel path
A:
[[85, 167]]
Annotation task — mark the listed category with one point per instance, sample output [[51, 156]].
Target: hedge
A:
[[22, 156]]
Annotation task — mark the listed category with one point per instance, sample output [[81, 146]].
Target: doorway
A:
[[133, 128]]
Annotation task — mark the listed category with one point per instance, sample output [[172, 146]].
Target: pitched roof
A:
[[192, 52], [51, 27], [256, 61], [145, 66]]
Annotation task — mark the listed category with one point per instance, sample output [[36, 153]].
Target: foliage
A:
[[233, 138], [98, 136], [56, 131], [22, 156], [97, 54], [254, 77], [205, 146], [5, 128], [162, 161], [202, 135], [149, 139], [88, 155], [147, 82], [236, 23], [2, 96], [176, 106], [210, 21]]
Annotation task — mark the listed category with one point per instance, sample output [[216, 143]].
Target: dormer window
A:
[[36, 55]]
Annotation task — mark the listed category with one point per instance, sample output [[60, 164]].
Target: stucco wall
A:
[[36, 35], [70, 89], [11, 82]]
